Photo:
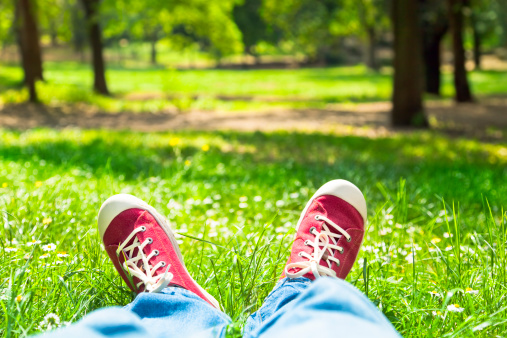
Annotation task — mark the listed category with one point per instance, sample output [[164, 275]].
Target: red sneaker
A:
[[143, 248], [329, 232]]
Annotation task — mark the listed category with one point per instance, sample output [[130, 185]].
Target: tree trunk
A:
[[407, 87], [455, 8], [432, 67], [477, 44], [372, 55], [432, 37], [28, 41], [53, 34], [79, 30], [154, 51], [91, 8]]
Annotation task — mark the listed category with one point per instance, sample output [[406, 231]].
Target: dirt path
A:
[[487, 119]]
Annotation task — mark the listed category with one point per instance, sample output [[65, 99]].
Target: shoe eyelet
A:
[[143, 228], [349, 239], [162, 263], [341, 251], [300, 254], [150, 240], [338, 263], [306, 242], [317, 217], [156, 252], [312, 229]]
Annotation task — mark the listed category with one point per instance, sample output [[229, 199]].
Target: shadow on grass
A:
[[7, 82], [431, 163]]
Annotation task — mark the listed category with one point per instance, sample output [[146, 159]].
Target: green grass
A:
[[230, 90], [441, 198]]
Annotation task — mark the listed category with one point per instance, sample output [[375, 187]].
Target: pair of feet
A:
[[144, 250]]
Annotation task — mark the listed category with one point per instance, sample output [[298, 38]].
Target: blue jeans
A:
[[295, 308]]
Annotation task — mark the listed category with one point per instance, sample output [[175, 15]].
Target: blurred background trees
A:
[[263, 33]]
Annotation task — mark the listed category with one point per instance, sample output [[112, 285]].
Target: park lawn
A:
[[436, 233], [154, 89]]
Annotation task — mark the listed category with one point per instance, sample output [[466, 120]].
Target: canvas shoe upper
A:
[[329, 232], [143, 248]]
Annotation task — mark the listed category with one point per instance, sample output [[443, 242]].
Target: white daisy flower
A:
[[471, 291], [34, 242], [257, 198], [434, 293], [51, 321], [243, 199], [410, 258], [49, 247], [437, 313], [455, 308], [10, 249]]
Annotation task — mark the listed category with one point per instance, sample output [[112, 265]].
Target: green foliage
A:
[[315, 26], [55, 20], [357, 17], [305, 23], [208, 21], [251, 24], [6, 22], [438, 199], [314, 29], [487, 16]]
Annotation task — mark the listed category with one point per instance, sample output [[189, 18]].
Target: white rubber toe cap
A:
[[116, 204], [346, 191]]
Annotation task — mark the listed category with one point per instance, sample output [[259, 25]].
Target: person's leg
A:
[[174, 312], [328, 237], [328, 307], [145, 253], [284, 292]]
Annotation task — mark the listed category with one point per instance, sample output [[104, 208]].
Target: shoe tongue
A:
[[124, 256], [320, 206]]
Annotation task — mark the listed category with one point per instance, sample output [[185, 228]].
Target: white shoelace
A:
[[328, 241], [151, 283]]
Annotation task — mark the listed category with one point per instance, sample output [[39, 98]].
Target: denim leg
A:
[[285, 291], [175, 312], [328, 307]]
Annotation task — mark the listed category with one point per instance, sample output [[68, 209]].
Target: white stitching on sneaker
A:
[[322, 239], [151, 283]]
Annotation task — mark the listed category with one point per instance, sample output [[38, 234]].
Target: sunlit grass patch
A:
[[434, 258], [218, 89]]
